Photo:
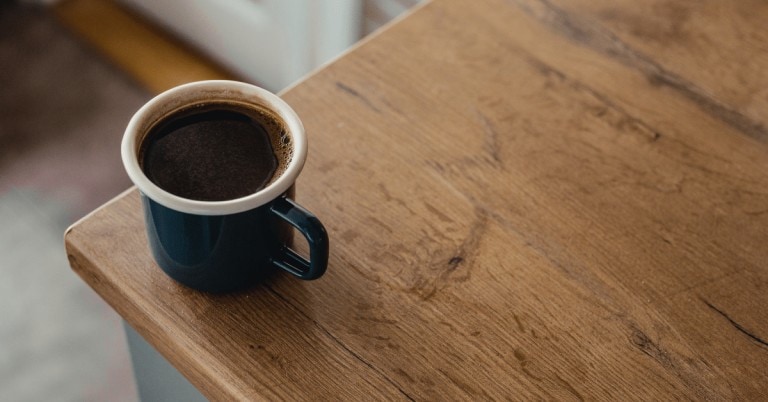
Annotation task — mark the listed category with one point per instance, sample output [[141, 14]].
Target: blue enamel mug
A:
[[226, 245]]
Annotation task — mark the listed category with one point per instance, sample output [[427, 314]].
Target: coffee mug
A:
[[215, 163]]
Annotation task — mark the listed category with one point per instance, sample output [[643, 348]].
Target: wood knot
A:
[[455, 261], [640, 339]]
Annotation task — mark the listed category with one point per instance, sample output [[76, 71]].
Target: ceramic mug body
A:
[[219, 246]]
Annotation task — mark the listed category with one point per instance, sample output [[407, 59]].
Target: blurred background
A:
[[72, 72]]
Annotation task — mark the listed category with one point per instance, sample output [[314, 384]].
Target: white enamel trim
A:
[[198, 92]]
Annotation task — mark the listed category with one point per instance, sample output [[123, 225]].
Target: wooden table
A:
[[526, 199]]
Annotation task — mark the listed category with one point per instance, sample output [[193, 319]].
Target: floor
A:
[[62, 110]]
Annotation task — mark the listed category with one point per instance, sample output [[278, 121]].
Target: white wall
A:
[[270, 42]]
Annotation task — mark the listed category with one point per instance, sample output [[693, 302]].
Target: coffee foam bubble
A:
[[279, 137]]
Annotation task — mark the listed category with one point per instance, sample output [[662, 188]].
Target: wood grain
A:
[[281, 347], [671, 42], [515, 213]]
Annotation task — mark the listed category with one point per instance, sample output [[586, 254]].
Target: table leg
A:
[[157, 380]]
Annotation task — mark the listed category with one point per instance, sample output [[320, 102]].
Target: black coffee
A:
[[214, 152]]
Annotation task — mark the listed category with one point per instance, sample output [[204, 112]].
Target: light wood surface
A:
[[157, 60], [526, 199]]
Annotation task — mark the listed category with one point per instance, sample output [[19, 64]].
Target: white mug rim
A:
[[206, 91]]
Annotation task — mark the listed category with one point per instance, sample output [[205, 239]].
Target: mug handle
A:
[[317, 238]]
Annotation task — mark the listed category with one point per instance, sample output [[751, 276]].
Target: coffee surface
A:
[[213, 154]]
